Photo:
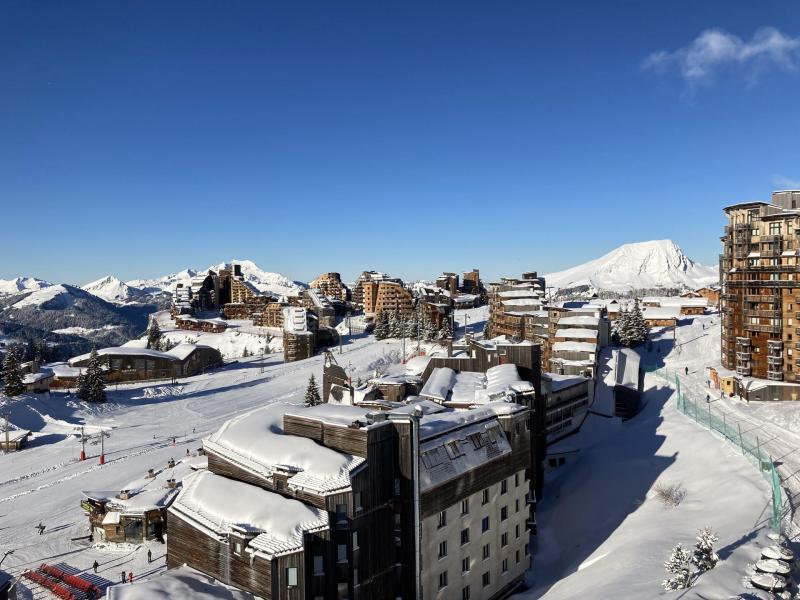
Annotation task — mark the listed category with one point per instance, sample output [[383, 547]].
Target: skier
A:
[[149, 556], [124, 577], [40, 527], [94, 566], [193, 429], [708, 398], [187, 452], [687, 370], [130, 577]]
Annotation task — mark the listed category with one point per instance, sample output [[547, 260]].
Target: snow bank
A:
[[182, 582]]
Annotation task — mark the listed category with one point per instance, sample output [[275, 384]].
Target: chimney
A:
[[150, 473], [124, 494], [171, 484], [171, 463]]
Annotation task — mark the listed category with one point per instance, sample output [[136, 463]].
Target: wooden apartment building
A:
[[760, 298]]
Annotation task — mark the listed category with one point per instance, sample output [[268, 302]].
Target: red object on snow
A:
[[44, 581], [79, 583], [83, 455], [102, 459]]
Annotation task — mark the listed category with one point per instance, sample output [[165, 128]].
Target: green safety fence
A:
[[717, 420]]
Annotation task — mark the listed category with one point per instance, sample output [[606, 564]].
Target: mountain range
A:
[[653, 265]]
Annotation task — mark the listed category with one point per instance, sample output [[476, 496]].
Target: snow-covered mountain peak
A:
[[641, 265], [113, 290], [20, 285]]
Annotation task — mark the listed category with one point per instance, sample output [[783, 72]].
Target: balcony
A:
[[762, 328], [775, 360], [766, 298], [770, 239], [749, 312]]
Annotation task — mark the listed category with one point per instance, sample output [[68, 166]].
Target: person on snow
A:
[[95, 565], [40, 527], [124, 577], [149, 556], [130, 577], [686, 370]]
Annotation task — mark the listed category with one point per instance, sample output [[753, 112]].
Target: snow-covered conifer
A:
[[382, 326], [679, 569], [312, 397], [704, 556], [91, 385], [153, 335], [445, 331], [12, 373]]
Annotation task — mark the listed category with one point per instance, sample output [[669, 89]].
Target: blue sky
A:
[[139, 138]]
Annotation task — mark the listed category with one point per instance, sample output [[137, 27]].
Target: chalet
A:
[[189, 323], [299, 334], [337, 501], [396, 387], [137, 512], [38, 381], [130, 363], [574, 358], [661, 316], [685, 306]]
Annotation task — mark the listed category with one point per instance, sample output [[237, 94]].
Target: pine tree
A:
[[153, 335], [12, 373], [382, 326], [91, 385], [678, 567], [393, 325], [312, 397], [621, 327], [637, 327], [445, 331], [704, 557]]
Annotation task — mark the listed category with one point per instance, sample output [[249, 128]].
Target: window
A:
[[504, 566], [341, 513], [291, 577], [355, 576], [442, 580], [516, 530], [319, 565], [526, 549], [465, 565], [485, 524], [442, 550], [465, 593], [357, 501], [504, 486], [516, 479], [504, 539], [516, 505], [485, 497], [355, 540], [341, 591], [503, 513], [517, 556], [442, 519], [485, 579], [341, 553], [486, 551], [396, 486], [464, 536], [237, 548], [465, 506]]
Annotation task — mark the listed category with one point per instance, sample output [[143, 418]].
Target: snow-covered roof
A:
[[465, 386], [679, 301], [62, 369], [627, 368], [183, 350], [181, 582], [414, 403], [560, 382], [661, 312], [256, 441], [522, 302], [459, 451], [439, 384], [342, 415], [519, 294], [578, 334], [219, 505], [579, 320], [124, 351], [574, 347], [38, 376], [396, 378], [438, 423]]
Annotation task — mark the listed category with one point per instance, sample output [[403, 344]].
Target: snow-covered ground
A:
[[603, 533], [43, 483], [240, 336]]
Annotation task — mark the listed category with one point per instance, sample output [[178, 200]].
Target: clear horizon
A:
[[139, 139]]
